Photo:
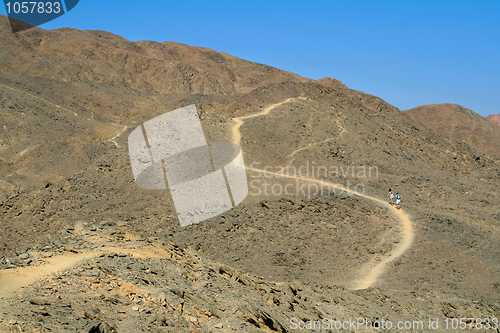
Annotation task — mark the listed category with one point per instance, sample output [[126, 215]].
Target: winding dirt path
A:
[[373, 270], [238, 121], [12, 280], [117, 134]]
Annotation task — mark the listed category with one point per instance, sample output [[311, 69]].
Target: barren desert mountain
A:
[[328, 81], [457, 122], [494, 118], [99, 56], [84, 249]]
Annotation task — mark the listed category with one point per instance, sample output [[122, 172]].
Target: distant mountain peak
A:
[[72, 55], [494, 119], [458, 122], [331, 82]]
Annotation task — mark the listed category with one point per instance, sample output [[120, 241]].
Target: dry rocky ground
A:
[[69, 99], [133, 284], [494, 118], [461, 123]]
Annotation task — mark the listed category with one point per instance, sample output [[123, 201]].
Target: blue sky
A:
[[407, 52]]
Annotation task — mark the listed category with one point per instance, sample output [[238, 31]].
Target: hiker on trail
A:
[[398, 200], [391, 195]]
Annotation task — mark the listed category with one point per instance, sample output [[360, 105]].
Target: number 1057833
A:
[[33, 7]]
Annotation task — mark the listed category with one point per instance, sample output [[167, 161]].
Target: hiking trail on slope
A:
[[374, 269]]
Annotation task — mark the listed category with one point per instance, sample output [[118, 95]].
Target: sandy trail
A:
[[117, 134], [406, 240], [12, 280], [238, 121], [374, 269]]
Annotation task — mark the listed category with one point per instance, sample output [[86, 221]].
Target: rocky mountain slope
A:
[[114, 255], [494, 118], [101, 57], [132, 284], [457, 122]]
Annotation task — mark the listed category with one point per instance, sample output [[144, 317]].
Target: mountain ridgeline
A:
[[68, 101]]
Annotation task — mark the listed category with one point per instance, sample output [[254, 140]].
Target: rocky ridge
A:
[[69, 99], [494, 118]]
